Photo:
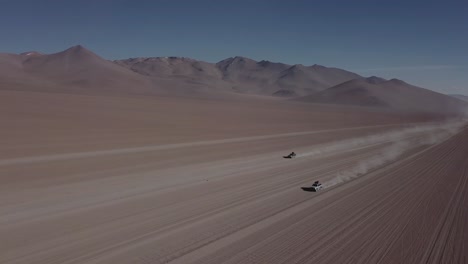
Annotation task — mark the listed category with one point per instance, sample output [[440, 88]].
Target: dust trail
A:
[[119, 151], [393, 136], [400, 144]]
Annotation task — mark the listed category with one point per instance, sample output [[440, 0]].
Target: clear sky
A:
[[423, 42]]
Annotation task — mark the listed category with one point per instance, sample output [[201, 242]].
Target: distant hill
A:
[[178, 75], [242, 75], [75, 70], [392, 94], [79, 70], [460, 96]]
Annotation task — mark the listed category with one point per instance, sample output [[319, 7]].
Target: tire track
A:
[[256, 199], [88, 154], [217, 260], [257, 193], [274, 255], [270, 193]]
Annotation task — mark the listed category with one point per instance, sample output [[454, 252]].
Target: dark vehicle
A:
[[290, 156]]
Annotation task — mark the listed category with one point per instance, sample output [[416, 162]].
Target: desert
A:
[[212, 132], [140, 177]]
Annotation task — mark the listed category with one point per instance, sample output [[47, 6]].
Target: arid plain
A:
[[164, 178]]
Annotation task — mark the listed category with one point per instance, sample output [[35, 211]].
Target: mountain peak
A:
[[77, 48], [77, 51], [317, 66], [297, 67], [242, 59], [264, 63], [236, 62], [30, 53], [396, 81], [375, 80]]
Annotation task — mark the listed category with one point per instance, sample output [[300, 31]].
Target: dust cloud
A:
[[400, 142]]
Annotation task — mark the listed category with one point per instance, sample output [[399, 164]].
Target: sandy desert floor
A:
[[161, 180]]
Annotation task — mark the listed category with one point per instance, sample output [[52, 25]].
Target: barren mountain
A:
[[75, 70], [393, 94], [10, 65], [31, 54], [177, 74], [79, 67], [175, 66], [13, 76], [460, 96], [243, 75], [78, 70], [281, 79], [312, 79]]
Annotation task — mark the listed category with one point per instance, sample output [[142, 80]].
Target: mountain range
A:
[[242, 75], [79, 70], [393, 94]]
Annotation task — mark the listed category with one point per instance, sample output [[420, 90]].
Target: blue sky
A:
[[422, 42]]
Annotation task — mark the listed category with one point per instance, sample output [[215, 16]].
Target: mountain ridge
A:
[[390, 94], [246, 75], [79, 70]]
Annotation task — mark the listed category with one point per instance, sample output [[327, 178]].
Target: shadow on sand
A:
[[308, 189]]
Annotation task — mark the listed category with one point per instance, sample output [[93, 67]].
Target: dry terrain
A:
[[93, 179], [78, 70]]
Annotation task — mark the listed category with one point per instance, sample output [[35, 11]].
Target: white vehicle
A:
[[317, 186]]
